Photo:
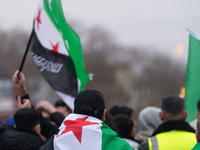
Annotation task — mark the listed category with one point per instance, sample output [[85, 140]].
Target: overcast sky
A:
[[156, 23]]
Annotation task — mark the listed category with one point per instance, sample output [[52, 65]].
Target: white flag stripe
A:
[[47, 32], [69, 100]]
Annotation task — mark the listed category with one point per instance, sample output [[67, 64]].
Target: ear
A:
[[197, 114], [161, 116], [133, 132], [185, 115], [104, 115], [37, 129], [73, 111]]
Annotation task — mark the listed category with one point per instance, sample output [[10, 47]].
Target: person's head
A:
[[116, 110], [91, 103], [198, 130], [125, 126], [148, 118], [62, 107], [173, 108], [28, 118]]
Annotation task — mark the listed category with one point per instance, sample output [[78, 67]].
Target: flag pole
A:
[[25, 54]]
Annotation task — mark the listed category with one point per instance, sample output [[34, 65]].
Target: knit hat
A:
[[89, 102]]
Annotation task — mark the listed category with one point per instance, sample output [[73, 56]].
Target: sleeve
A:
[[27, 97]]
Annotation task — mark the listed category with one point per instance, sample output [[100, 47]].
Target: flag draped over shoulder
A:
[[81, 132], [57, 52], [192, 94]]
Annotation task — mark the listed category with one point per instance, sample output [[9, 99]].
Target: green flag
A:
[[192, 94]]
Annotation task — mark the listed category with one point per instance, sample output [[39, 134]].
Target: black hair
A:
[[173, 104], [27, 117], [62, 104], [115, 110], [110, 121], [124, 125]]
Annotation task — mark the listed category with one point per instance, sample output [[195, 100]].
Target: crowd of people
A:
[[90, 126]]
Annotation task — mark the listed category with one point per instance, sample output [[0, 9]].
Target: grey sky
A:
[[156, 23]]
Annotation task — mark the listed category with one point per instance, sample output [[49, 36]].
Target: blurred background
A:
[[137, 50]]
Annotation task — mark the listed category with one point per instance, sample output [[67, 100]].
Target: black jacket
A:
[[20, 139]]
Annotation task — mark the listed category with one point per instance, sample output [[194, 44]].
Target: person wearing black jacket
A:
[[25, 136]]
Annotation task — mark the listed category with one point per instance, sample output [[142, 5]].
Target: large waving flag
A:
[[57, 51], [81, 132], [192, 94]]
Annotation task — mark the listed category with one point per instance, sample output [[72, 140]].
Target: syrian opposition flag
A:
[[192, 93], [57, 52], [81, 132]]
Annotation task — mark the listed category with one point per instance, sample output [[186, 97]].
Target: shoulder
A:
[[14, 138], [110, 139]]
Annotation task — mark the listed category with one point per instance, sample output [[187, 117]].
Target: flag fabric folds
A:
[[192, 87], [57, 52], [83, 132]]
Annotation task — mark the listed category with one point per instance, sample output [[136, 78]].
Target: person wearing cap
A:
[[84, 127], [174, 133]]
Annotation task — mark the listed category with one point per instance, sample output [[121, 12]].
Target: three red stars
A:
[[38, 18], [76, 126]]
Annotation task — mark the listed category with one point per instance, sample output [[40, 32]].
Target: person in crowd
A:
[[62, 107], [84, 127], [148, 121], [26, 134], [194, 122], [55, 116], [126, 129], [115, 110], [174, 133], [47, 129], [197, 146]]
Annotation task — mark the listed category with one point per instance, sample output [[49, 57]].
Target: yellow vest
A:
[[172, 140]]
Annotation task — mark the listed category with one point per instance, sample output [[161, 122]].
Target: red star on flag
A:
[[76, 126], [38, 18], [55, 47]]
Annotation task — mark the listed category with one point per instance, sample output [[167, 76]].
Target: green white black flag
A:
[[57, 51]]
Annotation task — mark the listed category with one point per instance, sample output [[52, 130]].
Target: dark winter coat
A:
[[20, 139]]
